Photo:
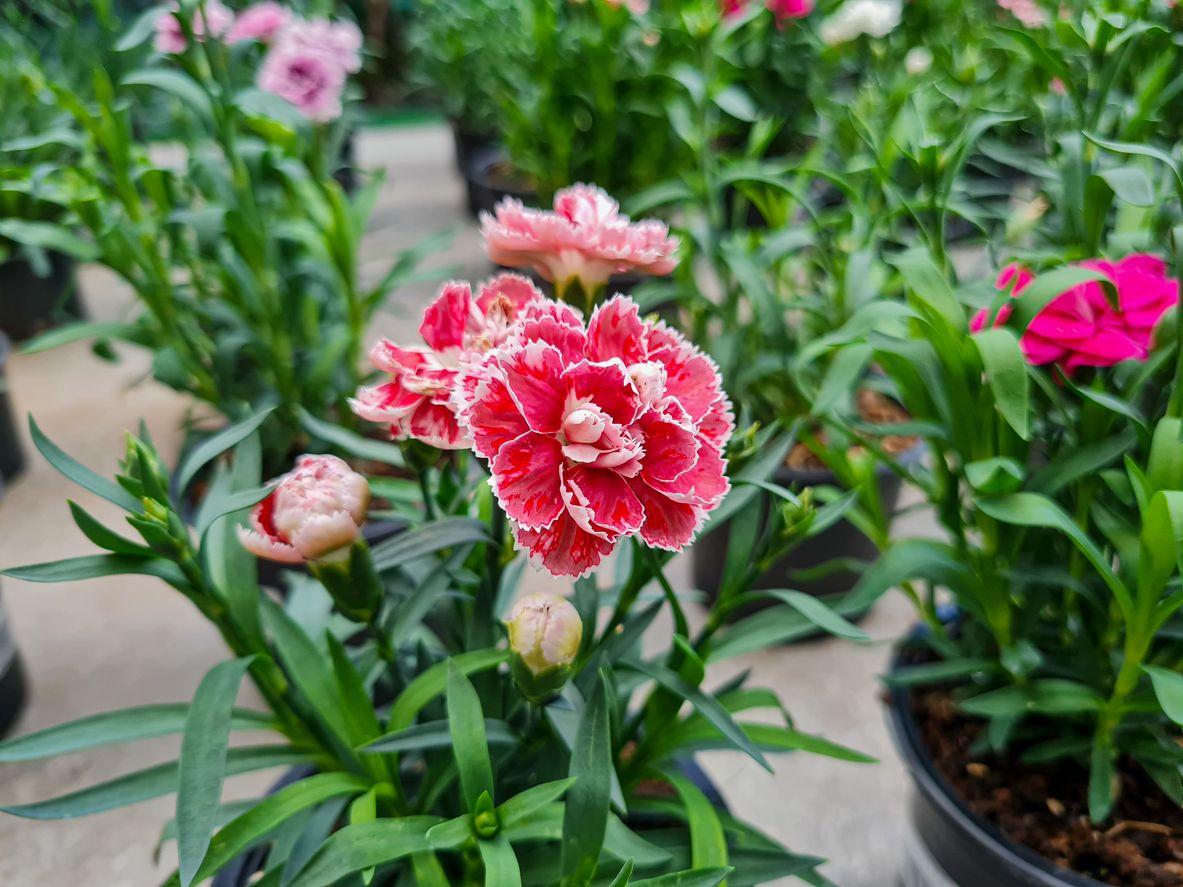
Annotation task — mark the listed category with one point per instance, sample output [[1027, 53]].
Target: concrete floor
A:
[[117, 642]]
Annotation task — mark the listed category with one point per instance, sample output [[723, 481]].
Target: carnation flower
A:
[[545, 632], [585, 239], [214, 18], [417, 401], [782, 9], [309, 64], [1026, 11], [636, 7], [875, 18], [597, 433], [314, 513], [262, 22], [1080, 327]]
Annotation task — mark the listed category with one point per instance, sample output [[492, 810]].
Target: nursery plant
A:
[[1049, 403], [240, 246], [444, 732]]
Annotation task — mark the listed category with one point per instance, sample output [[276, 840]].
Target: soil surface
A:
[[1046, 808], [873, 408]]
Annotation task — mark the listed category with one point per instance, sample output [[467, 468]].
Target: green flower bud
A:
[[545, 632]]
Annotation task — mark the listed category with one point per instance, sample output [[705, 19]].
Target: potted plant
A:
[[1038, 716], [244, 254], [463, 736]]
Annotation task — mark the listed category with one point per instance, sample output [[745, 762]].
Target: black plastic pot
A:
[[485, 188], [951, 845], [13, 687], [467, 142], [842, 540], [31, 304], [12, 455]]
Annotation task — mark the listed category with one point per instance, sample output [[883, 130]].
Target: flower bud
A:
[[314, 513], [545, 632]]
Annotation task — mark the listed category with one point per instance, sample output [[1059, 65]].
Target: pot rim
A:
[[813, 477], [1016, 858]]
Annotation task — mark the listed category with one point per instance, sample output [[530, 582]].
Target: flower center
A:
[[584, 426]]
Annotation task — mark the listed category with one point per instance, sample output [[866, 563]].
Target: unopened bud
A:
[[545, 632]]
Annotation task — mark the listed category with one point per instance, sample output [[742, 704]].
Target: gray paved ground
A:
[[110, 643]]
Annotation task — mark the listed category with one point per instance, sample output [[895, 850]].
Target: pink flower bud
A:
[[545, 632], [314, 513]]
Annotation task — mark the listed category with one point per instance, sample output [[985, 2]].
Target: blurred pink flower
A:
[[636, 7], [784, 10], [585, 239], [417, 401], [1080, 327], [263, 22], [1027, 12], [341, 41], [170, 37], [314, 513], [597, 433], [312, 80]]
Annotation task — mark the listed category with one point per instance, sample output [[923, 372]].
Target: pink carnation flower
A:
[[314, 513], [1081, 327], [585, 238], [597, 433], [262, 22], [636, 7], [170, 37], [308, 66], [417, 401]]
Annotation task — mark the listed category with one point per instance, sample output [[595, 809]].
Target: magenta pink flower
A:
[[636, 7], [784, 10], [339, 40], [216, 20], [262, 22], [417, 401], [585, 239], [1081, 327], [597, 433], [314, 513]]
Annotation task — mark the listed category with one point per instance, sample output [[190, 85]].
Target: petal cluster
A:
[[315, 511], [784, 10], [584, 238], [599, 432], [309, 63], [263, 22], [1081, 327], [874, 18], [457, 327]]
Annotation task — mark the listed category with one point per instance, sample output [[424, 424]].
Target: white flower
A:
[[875, 18], [918, 60]]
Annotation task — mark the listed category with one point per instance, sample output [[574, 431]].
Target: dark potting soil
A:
[[1046, 807], [873, 408]]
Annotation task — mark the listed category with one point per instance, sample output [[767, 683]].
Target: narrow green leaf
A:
[[174, 82], [501, 863], [708, 706], [816, 611], [1006, 374], [47, 235], [350, 442], [585, 819], [433, 682], [689, 878], [94, 566], [1102, 782], [256, 823], [359, 847], [708, 843], [73, 332], [112, 728], [104, 537], [211, 448], [428, 539], [626, 873], [144, 785], [523, 804], [435, 734], [1168, 687], [204, 747], [80, 474], [471, 749]]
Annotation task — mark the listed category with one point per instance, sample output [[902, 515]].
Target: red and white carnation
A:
[[417, 400], [596, 433]]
